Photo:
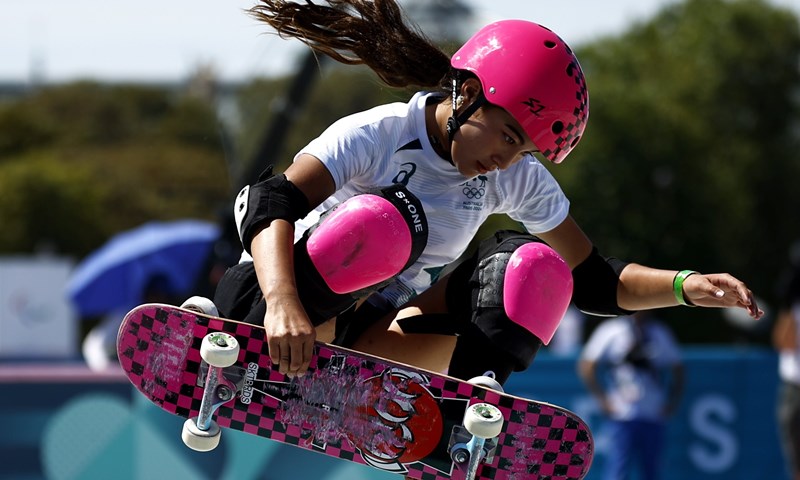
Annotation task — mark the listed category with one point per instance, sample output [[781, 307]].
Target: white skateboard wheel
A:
[[201, 305], [219, 349], [200, 440], [486, 381], [483, 420]]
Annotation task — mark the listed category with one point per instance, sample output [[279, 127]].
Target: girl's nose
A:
[[499, 162]]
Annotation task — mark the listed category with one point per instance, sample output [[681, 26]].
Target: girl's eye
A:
[[508, 139]]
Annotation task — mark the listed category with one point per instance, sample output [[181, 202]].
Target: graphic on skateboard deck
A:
[[350, 405]]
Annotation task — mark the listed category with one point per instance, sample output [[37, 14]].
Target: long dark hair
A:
[[373, 33]]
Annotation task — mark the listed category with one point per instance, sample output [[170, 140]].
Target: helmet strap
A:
[[456, 120]]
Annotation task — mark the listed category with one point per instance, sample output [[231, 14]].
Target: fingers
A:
[[724, 290], [300, 358], [290, 337], [284, 359], [274, 351], [292, 358], [746, 299]]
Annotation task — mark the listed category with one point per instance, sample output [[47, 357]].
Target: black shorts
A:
[[238, 295]]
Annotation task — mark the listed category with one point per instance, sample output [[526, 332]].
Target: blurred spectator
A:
[[787, 342], [568, 338], [99, 347], [643, 387]]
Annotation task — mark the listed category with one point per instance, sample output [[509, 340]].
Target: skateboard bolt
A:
[[224, 393], [460, 456], [483, 411]]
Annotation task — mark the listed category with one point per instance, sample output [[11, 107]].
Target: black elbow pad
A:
[[595, 285], [273, 197]]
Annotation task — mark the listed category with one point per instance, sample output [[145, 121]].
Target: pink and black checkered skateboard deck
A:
[[349, 405]]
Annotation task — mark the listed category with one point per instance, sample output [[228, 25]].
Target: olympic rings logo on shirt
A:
[[474, 193], [474, 189]]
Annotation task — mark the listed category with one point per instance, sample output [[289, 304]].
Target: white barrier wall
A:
[[36, 319]]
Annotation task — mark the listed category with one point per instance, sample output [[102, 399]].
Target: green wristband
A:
[[677, 286]]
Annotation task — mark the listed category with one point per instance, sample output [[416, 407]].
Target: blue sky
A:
[[155, 40]]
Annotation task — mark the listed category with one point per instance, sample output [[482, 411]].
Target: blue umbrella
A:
[[115, 276]]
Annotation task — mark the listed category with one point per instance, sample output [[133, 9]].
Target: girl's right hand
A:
[[290, 335]]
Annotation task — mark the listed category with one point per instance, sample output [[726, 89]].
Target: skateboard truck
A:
[[219, 350], [475, 441]]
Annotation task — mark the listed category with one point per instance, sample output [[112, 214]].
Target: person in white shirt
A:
[[455, 155], [641, 361], [787, 342]]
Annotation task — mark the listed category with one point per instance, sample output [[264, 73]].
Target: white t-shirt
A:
[[789, 360], [633, 393], [389, 144]]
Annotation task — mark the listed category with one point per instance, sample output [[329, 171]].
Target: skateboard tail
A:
[[153, 347]]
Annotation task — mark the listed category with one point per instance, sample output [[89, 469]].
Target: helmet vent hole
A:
[[557, 127], [570, 69], [574, 142], [549, 44]]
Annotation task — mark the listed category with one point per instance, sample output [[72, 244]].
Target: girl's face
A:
[[489, 140]]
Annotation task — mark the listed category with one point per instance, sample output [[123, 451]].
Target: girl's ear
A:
[[470, 89]]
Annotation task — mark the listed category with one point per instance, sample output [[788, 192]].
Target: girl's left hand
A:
[[720, 290]]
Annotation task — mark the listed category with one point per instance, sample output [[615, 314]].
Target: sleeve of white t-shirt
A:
[[350, 147], [537, 199]]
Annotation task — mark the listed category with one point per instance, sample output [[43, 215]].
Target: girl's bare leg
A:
[[326, 331], [386, 338]]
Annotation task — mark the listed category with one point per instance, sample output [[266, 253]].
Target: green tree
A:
[[340, 91], [44, 207], [82, 161]]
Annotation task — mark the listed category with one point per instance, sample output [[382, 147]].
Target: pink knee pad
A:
[[363, 241], [537, 289]]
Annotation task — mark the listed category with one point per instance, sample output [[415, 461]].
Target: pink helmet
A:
[[529, 71]]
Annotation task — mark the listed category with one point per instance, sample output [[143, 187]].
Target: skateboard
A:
[[217, 373]]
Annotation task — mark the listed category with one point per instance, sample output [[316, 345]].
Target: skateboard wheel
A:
[[219, 349], [200, 440], [486, 381], [201, 305], [483, 420]]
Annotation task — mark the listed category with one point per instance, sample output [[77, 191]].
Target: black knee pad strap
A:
[[474, 356]]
